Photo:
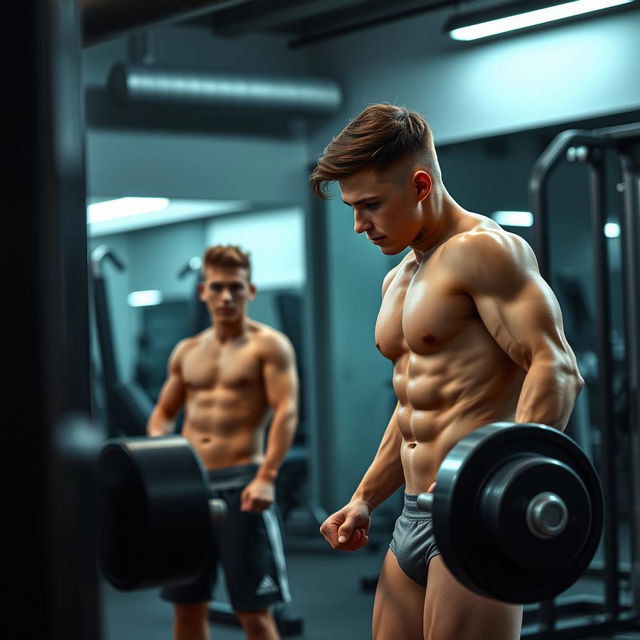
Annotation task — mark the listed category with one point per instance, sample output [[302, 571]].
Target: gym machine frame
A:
[[590, 147]]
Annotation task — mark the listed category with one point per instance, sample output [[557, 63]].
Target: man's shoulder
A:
[[488, 258], [268, 338], [488, 243], [186, 344], [179, 351]]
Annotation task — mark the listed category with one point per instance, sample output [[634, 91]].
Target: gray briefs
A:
[[412, 543]]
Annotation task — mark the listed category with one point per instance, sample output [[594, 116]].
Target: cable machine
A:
[[615, 611]]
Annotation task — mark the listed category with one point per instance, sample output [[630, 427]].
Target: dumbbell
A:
[[154, 512], [517, 511]]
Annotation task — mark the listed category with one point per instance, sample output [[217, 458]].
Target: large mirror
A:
[[167, 180]]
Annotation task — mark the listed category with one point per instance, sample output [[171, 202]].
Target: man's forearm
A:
[[549, 393], [281, 433], [385, 474], [159, 424]]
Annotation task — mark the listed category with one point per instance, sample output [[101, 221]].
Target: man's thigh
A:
[[398, 606], [451, 611]]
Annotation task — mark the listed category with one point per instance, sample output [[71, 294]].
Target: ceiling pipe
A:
[[130, 83], [104, 20]]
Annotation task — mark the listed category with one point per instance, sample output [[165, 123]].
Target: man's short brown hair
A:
[[228, 255], [380, 137]]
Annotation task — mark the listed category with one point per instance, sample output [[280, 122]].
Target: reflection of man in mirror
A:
[[234, 379], [475, 335]]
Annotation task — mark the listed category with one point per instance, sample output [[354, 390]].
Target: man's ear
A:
[[252, 291], [422, 183], [201, 290]]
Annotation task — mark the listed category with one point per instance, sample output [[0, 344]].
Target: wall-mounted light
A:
[[124, 207], [106, 216], [513, 218], [612, 230], [148, 298], [521, 15]]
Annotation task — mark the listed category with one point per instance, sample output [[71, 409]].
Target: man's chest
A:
[[422, 310], [236, 366]]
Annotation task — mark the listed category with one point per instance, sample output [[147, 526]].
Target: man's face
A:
[[386, 206], [226, 291]]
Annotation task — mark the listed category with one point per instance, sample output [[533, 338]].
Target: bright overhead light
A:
[[124, 207], [132, 213], [473, 26], [147, 298], [513, 218], [612, 230]]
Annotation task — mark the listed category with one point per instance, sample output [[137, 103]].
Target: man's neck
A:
[[225, 331], [443, 215]]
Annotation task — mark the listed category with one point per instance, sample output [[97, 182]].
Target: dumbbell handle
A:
[[425, 502], [217, 508], [547, 514]]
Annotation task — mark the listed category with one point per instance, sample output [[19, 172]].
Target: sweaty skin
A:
[[456, 322], [231, 379], [475, 336], [225, 399]]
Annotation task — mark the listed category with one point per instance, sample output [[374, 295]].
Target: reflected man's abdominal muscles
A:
[[226, 437]]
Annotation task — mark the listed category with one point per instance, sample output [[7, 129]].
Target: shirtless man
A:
[[231, 379], [475, 335]]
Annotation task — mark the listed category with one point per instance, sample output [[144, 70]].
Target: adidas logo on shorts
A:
[[266, 586]]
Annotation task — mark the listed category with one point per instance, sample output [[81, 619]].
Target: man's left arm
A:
[[522, 314], [281, 388]]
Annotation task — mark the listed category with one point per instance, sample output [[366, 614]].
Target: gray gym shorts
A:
[[413, 543]]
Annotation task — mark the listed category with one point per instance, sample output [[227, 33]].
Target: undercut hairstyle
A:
[[230, 256], [380, 137]]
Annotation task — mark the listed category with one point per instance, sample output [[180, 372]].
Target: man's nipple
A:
[[429, 338]]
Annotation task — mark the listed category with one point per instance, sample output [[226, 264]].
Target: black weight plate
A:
[[467, 548], [154, 522], [511, 490]]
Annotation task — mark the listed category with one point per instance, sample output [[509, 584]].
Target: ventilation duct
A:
[[129, 83]]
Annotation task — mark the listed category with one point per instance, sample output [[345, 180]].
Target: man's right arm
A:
[[162, 419], [347, 528], [385, 473]]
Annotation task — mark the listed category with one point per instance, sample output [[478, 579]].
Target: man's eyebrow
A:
[[365, 199]]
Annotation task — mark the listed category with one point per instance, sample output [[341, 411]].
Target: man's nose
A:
[[360, 222], [226, 293]]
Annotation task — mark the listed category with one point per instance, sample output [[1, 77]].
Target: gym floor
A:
[[326, 594], [326, 588]]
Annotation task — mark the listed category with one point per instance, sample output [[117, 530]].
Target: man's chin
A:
[[390, 250], [225, 317]]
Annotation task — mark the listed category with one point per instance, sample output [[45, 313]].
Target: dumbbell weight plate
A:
[[499, 566], [153, 512]]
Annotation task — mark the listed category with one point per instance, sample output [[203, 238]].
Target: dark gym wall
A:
[[153, 258], [470, 91]]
